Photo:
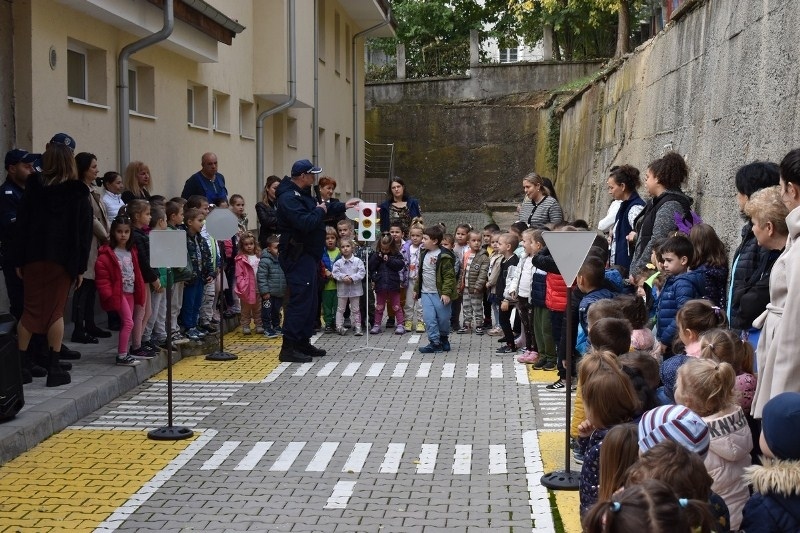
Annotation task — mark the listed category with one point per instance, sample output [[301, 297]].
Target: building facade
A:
[[200, 90]]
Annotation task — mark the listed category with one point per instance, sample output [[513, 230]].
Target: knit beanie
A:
[[780, 425], [677, 423]]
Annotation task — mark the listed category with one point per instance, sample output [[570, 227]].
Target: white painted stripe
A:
[[424, 370], [399, 370], [472, 370], [521, 370], [497, 459], [219, 456], [351, 369], [315, 337], [462, 459], [534, 469], [327, 369], [242, 404], [391, 461], [340, 497], [323, 456], [427, 458], [303, 370], [414, 339], [355, 462], [272, 376], [406, 355], [448, 370], [497, 370], [254, 456], [287, 457], [124, 511], [375, 370]]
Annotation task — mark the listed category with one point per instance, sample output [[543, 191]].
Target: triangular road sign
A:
[[569, 250]]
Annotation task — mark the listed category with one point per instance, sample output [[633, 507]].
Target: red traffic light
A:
[[366, 212]]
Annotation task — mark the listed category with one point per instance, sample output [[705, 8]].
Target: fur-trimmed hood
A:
[[775, 476]]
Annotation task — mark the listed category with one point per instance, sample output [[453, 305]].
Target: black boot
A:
[[309, 349], [25, 367], [289, 354], [445, 342], [33, 360], [66, 353], [56, 376]]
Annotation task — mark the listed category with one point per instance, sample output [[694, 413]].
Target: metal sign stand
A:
[[222, 225]]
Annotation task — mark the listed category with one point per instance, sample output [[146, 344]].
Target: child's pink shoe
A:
[[529, 357]]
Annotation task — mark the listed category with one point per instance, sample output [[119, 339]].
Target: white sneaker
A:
[[358, 332], [246, 330]]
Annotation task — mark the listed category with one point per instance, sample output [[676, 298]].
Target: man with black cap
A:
[[18, 168], [302, 241]]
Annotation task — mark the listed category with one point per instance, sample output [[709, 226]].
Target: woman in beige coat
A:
[[778, 364]]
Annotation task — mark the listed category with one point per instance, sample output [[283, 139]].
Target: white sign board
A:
[[222, 224], [569, 250], [168, 248]]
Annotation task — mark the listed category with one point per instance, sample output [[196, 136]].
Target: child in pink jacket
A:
[[246, 287]]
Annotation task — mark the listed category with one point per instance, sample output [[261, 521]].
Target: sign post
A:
[[222, 225], [569, 250]]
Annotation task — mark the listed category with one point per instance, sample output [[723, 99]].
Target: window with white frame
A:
[[141, 89], [197, 105], [508, 55], [247, 119], [221, 112], [86, 73]]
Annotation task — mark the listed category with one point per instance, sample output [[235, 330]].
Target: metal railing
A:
[[378, 161]]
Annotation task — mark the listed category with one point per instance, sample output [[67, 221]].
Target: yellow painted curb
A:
[[551, 445], [78, 478]]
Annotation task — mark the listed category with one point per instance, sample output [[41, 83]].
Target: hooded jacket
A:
[[775, 505], [109, 279], [246, 287], [270, 276], [656, 221], [677, 290], [728, 456]]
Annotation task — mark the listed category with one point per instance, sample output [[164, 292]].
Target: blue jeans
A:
[[436, 316], [192, 300]]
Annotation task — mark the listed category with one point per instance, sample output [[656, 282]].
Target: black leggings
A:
[[83, 306]]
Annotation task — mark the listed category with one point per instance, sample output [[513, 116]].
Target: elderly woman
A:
[[86, 331], [325, 189], [137, 182], [778, 365], [545, 208], [663, 183], [749, 257], [622, 184], [265, 211], [400, 208], [51, 250]]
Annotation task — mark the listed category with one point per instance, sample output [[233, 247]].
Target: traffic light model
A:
[[368, 223]]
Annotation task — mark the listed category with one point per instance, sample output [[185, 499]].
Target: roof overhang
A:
[[369, 13]]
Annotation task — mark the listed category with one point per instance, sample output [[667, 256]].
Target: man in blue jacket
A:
[[207, 181], [302, 240]]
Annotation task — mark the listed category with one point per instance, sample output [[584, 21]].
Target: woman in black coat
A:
[[266, 213]]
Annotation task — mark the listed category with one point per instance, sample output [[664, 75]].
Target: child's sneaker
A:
[[279, 330], [549, 366], [399, 330], [195, 335], [150, 347], [208, 328], [375, 329], [432, 348], [420, 328], [505, 349], [557, 385], [330, 329], [359, 332], [341, 330], [479, 331], [179, 339], [246, 330], [126, 360], [528, 357], [494, 332], [142, 353], [271, 334], [463, 329], [259, 330], [407, 325]]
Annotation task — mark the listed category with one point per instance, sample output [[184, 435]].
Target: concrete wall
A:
[[461, 142], [720, 86]]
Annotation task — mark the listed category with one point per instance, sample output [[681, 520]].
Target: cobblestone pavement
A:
[[360, 440]]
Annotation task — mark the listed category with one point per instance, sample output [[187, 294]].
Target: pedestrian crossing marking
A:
[[472, 370], [424, 370], [327, 369], [462, 460], [375, 370], [323, 456], [427, 458], [219, 456], [355, 462], [398, 370], [340, 497], [406, 355], [287, 457], [448, 370], [497, 370], [414, 339], [351, 369], [497, 459], [254, 456], [304, 368], [391, 461]]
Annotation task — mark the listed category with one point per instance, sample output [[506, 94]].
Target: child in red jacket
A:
[[121, 286], [246, 286]]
